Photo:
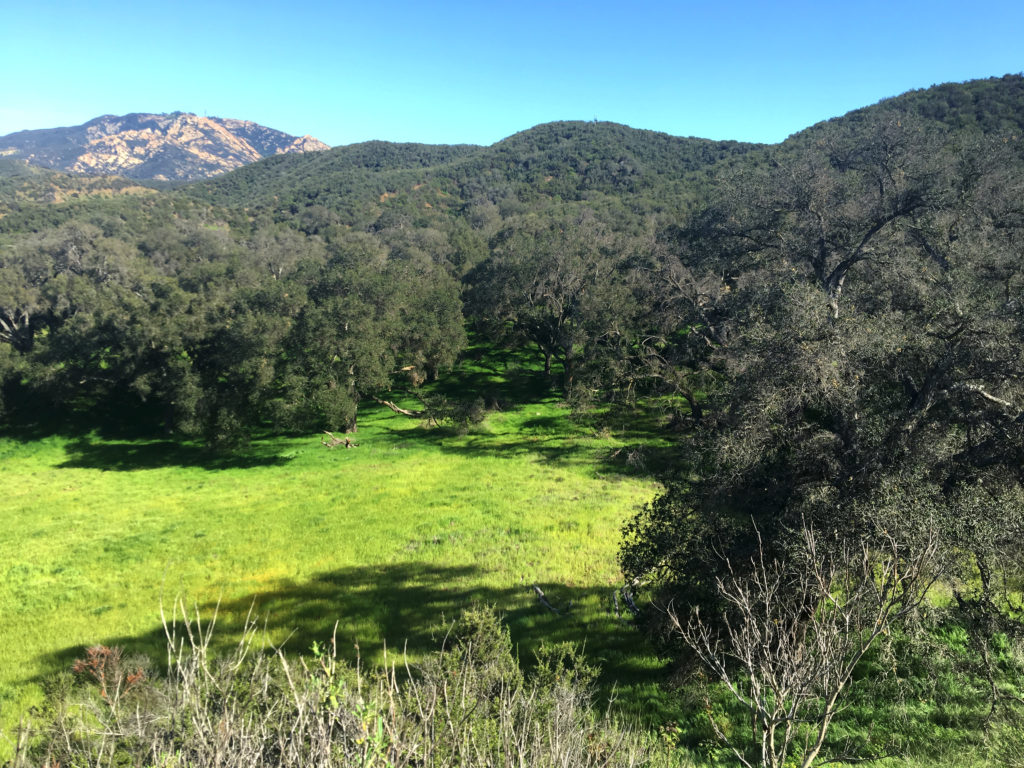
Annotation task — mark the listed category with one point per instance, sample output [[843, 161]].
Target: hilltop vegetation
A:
[[569, 161], [827, 330]]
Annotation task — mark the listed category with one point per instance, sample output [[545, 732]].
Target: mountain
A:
[[172, 147]]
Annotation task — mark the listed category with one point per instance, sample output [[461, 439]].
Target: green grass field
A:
[[391, 540]]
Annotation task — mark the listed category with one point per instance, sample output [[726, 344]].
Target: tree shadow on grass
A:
[[410, 607], [496, 375], [87, 452], [99, 440], [552, 449], [34, 417], [642, 456]]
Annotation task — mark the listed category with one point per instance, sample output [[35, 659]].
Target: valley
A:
[[669, 402]]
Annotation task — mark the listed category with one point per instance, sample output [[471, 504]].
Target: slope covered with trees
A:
[[569, 161], [284, 292], [864, 328]]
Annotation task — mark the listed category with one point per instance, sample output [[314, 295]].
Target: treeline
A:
[[211, 331], [214, 330], [283, 295]]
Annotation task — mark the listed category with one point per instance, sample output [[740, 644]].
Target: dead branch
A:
[[627, 595], [334, 442], [796, 631], [544, 600], [396, 409]]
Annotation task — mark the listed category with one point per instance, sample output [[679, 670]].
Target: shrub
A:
[[469, 704]]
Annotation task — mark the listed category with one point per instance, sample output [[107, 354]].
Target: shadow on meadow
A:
[[127, 441], [86, 452], [498, 376], [411, 606], [557, 439]]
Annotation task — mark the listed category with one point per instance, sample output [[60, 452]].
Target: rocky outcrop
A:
[[176, 146]]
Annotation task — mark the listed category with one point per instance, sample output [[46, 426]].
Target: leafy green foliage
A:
[[559, 285], [213, 330], [863, 327], [867, 356]]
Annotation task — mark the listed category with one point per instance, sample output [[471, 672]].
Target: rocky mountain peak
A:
[[173, 146]]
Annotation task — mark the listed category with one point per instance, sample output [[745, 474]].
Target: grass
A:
[[391, 540]]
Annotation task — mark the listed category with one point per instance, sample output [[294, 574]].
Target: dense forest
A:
[[284, 293], [831, 327]]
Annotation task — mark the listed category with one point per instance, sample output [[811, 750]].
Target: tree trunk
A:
[[568, 371]]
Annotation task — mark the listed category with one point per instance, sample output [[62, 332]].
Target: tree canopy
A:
[[866, 357]]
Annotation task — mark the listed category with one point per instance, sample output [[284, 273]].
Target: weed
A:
[[467, 704]]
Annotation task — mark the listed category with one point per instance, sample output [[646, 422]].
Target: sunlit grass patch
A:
[[390, 539]]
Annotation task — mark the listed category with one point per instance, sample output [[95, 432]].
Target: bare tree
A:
[[795, 631]]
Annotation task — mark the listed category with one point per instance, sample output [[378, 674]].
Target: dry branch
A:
[[396, 409], [544, 600], [793, 634], [334, 442]]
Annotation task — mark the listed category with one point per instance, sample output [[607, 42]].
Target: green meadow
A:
[[390, 539]]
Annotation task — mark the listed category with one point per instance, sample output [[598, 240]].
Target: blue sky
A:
[[475, 72]]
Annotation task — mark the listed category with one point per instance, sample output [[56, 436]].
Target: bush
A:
[[469, 704]]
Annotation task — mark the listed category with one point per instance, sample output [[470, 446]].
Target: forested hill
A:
[[564, 161], [569, 161], [995, 105], [980, 107], [344, 179]]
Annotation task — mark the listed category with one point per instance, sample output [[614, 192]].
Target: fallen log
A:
[[544, 600], [396, 409], [334, 442]]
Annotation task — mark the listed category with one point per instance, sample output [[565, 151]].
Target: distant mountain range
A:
[[173, 147]]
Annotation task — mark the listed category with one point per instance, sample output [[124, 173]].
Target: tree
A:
[[795, 631], [556, 283], [33, 270], [910, 398], [374, 320], [280, 250]]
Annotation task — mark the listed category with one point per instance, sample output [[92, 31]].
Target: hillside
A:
[[176, 146], [566, 161], [570, 161], [991, 107], [994, 105]]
